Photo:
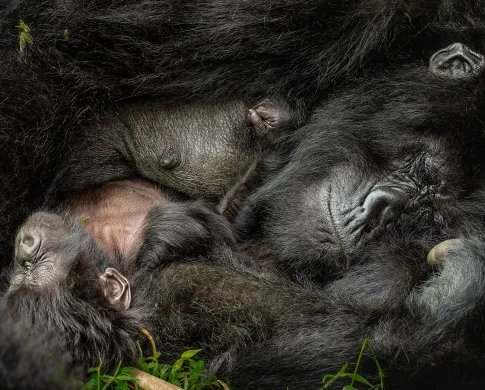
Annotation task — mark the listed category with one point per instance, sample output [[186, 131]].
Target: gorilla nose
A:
[[28, 244], [381, 204]]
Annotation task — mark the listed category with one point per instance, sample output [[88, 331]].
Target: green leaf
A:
[[24, 36], [186, 383], [143, 366], [379, 369], [127, 370], [358, 378], [348, 387], [164, 371], [327, 377], [197, 364], [188, 354], [125, 378], [177, 365]]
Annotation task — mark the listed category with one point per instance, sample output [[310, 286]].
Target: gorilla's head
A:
[[386, 169]]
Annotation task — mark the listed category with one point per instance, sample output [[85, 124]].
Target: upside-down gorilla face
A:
[[48, 249], [389, 170]]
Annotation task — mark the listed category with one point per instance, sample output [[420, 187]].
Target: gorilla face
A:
[[386, 176], [47, 248]]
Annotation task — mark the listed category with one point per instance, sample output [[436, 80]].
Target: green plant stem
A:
[[358, 361], [99, 374], [113, 377]]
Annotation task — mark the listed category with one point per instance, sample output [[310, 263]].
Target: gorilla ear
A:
[[456, 61], [116, 288], [269, 117]]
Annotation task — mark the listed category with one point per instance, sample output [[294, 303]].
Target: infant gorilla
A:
[[101, 269], [133, 220], [199, 150]]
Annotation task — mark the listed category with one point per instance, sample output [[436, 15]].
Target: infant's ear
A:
[[116, 288]]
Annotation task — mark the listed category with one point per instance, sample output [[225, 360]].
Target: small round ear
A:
[[456, 61], [269, 117], [116, 288]]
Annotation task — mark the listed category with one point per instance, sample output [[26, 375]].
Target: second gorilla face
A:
[[387, 169]]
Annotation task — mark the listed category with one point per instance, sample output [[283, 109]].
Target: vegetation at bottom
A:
[[186, 373], [353, 377], [190, 374]]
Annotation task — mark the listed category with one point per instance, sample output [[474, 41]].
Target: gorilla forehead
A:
[[395, 123], [62, 245]]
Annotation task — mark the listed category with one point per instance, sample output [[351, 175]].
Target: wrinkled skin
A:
[[87, 57], [217, 305]]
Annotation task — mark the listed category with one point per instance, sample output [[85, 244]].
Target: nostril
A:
[[28, 240], [381, 205], [28, 245]]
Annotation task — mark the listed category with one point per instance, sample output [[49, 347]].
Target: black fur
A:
[[414, 135], [420, 129], [85, 54], [31, 362], [413, 131], [261, 331]]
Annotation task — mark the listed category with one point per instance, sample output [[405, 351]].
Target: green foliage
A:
[[120, 380], [66, 34], [353, 376], [186, 372], [24, 35]]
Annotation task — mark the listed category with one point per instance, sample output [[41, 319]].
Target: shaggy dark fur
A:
[[182, 48], [386, 169], [412, 141], [261, 331], [87, 53], [350, 214], [30, 362], [378, 177]]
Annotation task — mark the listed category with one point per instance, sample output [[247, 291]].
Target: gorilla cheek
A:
[[333, 219]]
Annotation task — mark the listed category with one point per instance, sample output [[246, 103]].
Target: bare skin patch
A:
[[115, 213]]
